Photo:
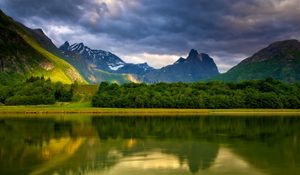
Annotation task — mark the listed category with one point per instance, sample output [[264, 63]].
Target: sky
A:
[[161, 31]]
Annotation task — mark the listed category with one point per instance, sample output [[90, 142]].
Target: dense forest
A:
[[34, 91], [268, 93]]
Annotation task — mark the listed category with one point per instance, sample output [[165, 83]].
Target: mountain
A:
[[280, 60], [103, 60], [43, 40], [136, 69], [23, 55], [98, 65], [194, 68], [96, 76]]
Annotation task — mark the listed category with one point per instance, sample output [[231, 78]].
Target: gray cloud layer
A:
[[226, 29]]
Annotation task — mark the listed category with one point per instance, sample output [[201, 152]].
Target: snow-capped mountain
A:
[[92, 62], [97, 58]]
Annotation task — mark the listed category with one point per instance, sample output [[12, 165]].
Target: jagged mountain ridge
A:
[[194, 68], [103, 60], [89, 61], [31, 52], [92, 76]]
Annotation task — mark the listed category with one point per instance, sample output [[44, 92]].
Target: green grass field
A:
[[86, 108]]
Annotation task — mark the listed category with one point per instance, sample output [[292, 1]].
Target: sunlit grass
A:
[[114, 78], [61, 66], [62, 70], [86, 108]]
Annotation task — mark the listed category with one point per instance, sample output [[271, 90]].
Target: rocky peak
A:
[[193, 53], [39, 31], [180, 60], [205, 57], [65, 46], [77, 47]]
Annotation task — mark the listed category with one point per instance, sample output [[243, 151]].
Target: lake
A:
[[120, 145]]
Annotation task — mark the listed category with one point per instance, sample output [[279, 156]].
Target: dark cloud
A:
[[226, 29]]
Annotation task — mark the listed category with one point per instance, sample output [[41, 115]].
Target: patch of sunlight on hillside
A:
[[113, 78], [133, 79], [63, 71]]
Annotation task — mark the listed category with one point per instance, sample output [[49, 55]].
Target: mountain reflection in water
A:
[[150, 145]]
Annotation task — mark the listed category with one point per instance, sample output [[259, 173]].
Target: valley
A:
[[148, 87], [27, 54]]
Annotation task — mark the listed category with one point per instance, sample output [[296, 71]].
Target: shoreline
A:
[[45, 110]]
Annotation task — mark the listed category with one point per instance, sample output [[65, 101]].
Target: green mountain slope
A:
[[21, 54], [91, 74], [280, 60]]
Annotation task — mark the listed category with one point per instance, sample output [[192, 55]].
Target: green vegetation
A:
[[22, 54], [175, 98], [93, 75], [280, 61], [267, 93], [111, 77], [62, 71], [35, 91], [85, 108], [261, 70]]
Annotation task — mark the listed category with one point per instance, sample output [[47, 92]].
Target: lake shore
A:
[[87, 109]]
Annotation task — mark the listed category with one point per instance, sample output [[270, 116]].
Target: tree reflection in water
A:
[[100, 144]]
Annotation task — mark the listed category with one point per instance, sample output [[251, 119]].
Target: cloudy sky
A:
[[160, 31]]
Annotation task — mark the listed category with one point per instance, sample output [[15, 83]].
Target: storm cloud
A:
[[158, 32]]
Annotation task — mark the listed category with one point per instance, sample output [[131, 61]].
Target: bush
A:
[[35, 91]]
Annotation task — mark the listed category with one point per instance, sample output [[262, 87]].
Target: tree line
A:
[[35, 91], [268, 93]]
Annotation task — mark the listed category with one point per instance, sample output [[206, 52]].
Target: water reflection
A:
[[150, 145]]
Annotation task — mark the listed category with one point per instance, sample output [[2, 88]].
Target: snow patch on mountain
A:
[[115, 68]]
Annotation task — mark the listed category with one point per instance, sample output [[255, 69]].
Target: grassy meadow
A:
[[86, 108]]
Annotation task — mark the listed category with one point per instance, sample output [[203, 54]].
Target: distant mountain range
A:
[[91, 63], [194, 68], [88, 61], [29, 52]]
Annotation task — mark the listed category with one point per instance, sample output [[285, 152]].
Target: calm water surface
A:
[[93, 145]]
